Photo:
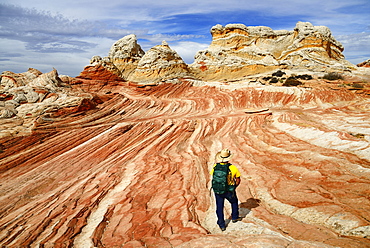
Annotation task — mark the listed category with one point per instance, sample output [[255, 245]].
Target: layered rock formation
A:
[[32, 97], [160, 63], [237, 50], [122, 60], [125, 54], [133, 170], [127, 60], [364, 64]]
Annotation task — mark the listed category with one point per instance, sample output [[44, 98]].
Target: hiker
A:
[[226, 177]]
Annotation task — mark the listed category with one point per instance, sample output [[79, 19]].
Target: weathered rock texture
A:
[[125, 54], [237, 50], [32, 97], [121, 61], [127, 60], [131, 170], [364, 64], [160, 63], [99, 64]]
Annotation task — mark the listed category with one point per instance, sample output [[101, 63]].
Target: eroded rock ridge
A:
[[236, 51], [116, 164]]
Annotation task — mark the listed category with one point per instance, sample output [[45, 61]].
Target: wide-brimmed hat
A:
[[224, 155]]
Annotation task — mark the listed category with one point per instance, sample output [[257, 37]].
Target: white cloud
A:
[[188, 49], [356, 46], [66, 63], [158, 38], [148, 9]]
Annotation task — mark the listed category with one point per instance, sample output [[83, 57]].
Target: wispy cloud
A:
[[357, 46], [46, 32]]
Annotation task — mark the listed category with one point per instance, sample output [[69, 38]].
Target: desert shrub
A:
[[332, 76], [358, 135], [357, 86], [292, 81], [304, 77], [274, 80], [266, 78], [278, 73]]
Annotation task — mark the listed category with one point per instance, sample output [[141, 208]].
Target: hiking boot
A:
[[236, 220]]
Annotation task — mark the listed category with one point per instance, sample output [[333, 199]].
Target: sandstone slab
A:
[[133, 170]]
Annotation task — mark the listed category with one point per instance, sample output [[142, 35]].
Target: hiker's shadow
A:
[[245, 208]]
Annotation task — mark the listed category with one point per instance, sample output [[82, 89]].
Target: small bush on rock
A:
[[333, 76], [274, 80], [278, 73], [357, 86], [304, 77], [358, 135], [292, 81]]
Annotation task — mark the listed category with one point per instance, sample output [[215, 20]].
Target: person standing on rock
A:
[[225, 179]]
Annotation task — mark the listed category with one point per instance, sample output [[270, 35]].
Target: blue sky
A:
[[47, 34]]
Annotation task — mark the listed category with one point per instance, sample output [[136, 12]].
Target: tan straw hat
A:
[[224, 155]]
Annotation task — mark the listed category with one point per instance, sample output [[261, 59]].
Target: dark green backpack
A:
[[219, 180]]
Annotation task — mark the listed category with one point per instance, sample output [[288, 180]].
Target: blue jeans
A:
[[220, 202]]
